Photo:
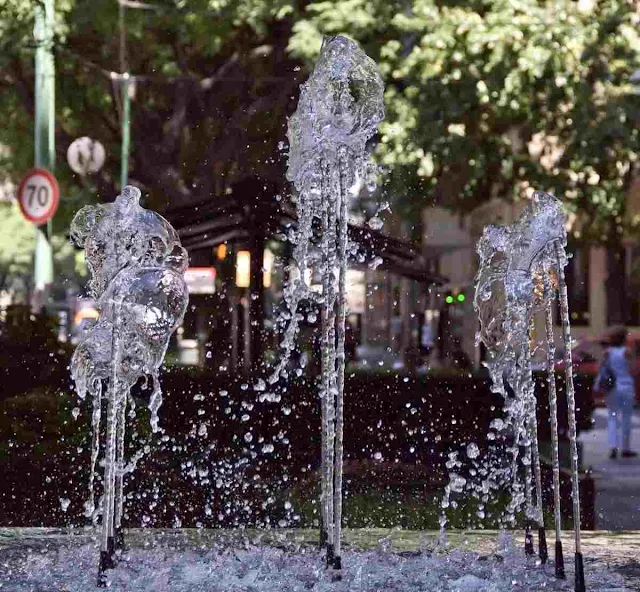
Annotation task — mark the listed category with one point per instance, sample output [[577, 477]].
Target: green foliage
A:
[[16, 246], [413, 503], [497, 97], [17, 241], [30, 353], [30, 340], [22, 328], [212, 90], [485, 98], [38, 424]]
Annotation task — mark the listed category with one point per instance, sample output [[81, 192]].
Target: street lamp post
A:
[[126, 99], [250, 278], [126, 86], [44, 138]]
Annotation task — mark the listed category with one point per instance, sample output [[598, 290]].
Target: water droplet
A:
[[375, 223], [472, 450]]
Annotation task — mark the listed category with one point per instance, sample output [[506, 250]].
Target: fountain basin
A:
[[190, 560]]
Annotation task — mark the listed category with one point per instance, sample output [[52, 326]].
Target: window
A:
[[632, 292], [616, 286], [577, 277], [623, 286]]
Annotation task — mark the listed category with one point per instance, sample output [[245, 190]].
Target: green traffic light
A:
[[461, 297], [449, 299]]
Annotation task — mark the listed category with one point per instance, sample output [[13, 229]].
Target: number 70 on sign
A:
[[38, 196]]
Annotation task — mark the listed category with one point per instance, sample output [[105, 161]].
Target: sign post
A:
[[85, 156], [44, 141], [38, 196]]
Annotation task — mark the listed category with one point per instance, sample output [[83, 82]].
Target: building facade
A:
[[603, 283]]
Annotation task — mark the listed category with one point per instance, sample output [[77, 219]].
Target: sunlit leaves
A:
[[510, 73], [504, 71]]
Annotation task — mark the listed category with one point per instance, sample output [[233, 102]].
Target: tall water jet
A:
[[339, 109], [521, 270], [137, 270], [571, 411], [553, 413]]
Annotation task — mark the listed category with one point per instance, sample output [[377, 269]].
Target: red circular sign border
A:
[[56, 195]]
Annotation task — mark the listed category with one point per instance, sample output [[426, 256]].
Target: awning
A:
[[253, 210]]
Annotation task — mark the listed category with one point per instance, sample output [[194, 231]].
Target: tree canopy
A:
[[484, 98], [493, 98]]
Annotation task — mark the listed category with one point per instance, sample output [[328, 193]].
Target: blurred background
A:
[[486, 101]]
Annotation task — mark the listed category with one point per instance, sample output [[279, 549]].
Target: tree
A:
[[213, 85], [485, 98], [496, 97], [16, 248], [17, 240]]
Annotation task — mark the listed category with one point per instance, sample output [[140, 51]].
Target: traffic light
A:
[[453, 298]]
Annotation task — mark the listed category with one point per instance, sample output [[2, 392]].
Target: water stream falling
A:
[[136, 264], [339, 109], [571, 411], [553, 413], [521, 269]]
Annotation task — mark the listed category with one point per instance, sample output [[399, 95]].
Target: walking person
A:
[[616, 379]]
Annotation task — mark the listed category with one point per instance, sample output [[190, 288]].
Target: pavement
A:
[[617, 481]]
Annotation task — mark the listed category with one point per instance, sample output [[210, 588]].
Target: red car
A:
[[589, 351]]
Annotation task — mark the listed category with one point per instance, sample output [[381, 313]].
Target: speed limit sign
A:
[[38, 196]]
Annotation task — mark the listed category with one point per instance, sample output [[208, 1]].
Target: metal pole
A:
[[246, 333], [126, 125], [44, 140], [126, 100]]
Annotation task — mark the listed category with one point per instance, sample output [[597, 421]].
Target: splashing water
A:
[[521, 267], [136, 264], [178, 562], [506, 299], [339, 109]]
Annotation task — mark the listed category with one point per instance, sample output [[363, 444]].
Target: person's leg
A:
[[626, 415], [620, 397], [612, 422]]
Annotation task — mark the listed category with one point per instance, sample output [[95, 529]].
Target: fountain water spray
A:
[[521, 268], [339, 109], [137, 269], [553, 413]]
